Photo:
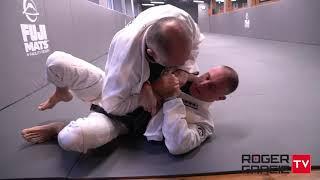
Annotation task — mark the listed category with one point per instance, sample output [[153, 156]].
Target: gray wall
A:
[[188, 6], [79, 27], [129, 8], [117, 5], [286, 20], [137, 8], [203, 18], [95, 1]]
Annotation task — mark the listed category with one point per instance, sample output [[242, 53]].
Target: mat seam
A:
[[266, 39], [178, 175], [73, 166], [47, 84]]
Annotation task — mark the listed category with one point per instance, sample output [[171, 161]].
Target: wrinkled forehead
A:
[[218, 78], [217, 73]]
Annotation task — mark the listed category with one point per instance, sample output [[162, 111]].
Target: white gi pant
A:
[[85, 82]]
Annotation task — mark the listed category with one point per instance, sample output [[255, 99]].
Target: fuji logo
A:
[[30, 10]]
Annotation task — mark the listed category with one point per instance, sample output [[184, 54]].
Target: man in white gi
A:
[[159, 37], [184, 120]]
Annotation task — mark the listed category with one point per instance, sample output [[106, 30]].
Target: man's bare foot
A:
[[61, 94], [43, 133]]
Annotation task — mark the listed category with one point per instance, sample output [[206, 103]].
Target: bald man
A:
[[162, 36]]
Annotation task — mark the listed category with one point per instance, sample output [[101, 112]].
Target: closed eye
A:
[[212, 87]]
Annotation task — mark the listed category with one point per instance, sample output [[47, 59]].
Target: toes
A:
[[23, 132], [27, 131], [46, 105], [42, 139], [36, 138], [32, 139], [39, 139], [29, 136], [40, 107], [43, 107], [30, 130]]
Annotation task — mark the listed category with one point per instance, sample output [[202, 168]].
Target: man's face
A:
[[178, 55], [210, 86]]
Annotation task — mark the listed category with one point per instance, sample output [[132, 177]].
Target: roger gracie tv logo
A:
[[276, 163], [301, 163]]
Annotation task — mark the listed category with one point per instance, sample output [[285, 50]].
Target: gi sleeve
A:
[[123, 76], [181, 137]]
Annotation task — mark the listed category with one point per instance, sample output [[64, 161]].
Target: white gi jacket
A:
[[127, 68], [184, 122]]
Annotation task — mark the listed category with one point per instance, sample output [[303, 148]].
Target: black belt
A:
[[136, 121]]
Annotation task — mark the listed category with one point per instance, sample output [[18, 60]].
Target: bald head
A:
[[215, 84], [170, 40], [226, 75]]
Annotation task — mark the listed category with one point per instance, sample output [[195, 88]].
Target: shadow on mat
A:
[[138, 144], [49, 153], [90, 161]]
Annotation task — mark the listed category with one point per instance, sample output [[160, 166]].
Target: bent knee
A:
[[55, 68], [55, 58], [71, 139]]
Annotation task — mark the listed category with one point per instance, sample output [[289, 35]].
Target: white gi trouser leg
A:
[[85, 81], [82, 78], [89, 132]]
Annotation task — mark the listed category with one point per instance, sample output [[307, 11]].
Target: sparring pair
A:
[[133, 95]]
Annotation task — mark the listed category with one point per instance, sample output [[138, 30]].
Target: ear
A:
[[221, 98], [151, 53]]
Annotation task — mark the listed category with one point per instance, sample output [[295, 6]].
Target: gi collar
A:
[[195, 101]]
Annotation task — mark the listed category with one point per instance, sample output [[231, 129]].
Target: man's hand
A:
[[167, 86], [148, 99]]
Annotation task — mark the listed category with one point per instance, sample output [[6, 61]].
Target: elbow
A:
[[181, 145], [177, 149]]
